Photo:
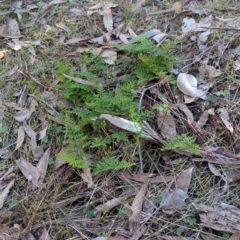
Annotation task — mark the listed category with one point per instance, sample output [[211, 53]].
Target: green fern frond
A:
[[73, 159], [110, 163], [182, 141]]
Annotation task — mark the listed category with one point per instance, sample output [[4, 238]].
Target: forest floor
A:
[[119, 120]]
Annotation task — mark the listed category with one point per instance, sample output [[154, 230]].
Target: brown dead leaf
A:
[[224, 218], [183, 107], [45, 235], [108, 19], [202, 120], [29, 171], [12, 233], [4, 193], [87, 177], [166, 124], [174, 199], [208, 70], [20, 137], [123, 38], [42, 166], [109, 56], [177, 7], [134, 219]]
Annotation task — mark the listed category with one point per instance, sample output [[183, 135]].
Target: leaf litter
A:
[[28, 138]]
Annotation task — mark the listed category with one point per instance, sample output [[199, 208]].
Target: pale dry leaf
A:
[[132, 33], [184, 179], [177, 7], [187, 84], [134, 219], [108, 19], [44, 235], [202, 120], [109, 56], [224, 218], [43, 133], [4, 193], [29, 171], [12, 71], [87, 177], [12, 233], [82, 81], [123, 38], [20, 137], [13, 28], [183, 107], [166, 124], [125, 124], [223, 113]]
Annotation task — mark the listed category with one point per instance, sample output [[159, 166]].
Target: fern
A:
[[82, 134], [182, 141], [110, 163]]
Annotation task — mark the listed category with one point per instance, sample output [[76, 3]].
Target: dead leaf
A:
[[202, 120], [12, 233], [221, 218], [174, 199], [223, 113], [107, 19], [166, 124], [20, 137], [183, 107], [87, 177], [42, 166], [82, 81], [177, 238], [45, 235], [109, 56], [29, 171], [6, 175], [4, 193], [134, 219], [208, 70], [177, 7]]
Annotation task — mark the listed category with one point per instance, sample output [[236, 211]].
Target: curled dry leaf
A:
[[20, 137], [224, 218], [134, 219], [166, 124], [223, 113], [4, 193]]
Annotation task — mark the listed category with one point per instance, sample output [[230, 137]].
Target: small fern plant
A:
[[183, 142], [84, 136]]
